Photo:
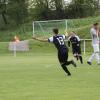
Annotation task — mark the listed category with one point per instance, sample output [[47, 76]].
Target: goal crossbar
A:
[[51, 21]]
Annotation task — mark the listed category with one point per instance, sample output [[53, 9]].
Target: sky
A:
[[68, 1]]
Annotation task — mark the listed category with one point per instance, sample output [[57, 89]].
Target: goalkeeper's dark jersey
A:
[[58, 42]]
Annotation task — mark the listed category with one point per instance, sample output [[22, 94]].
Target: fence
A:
[[85, 45]]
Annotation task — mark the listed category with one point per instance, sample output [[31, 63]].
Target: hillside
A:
[[81, 26]]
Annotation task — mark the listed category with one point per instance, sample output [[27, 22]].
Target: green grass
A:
[[24, 31], [38, 76]]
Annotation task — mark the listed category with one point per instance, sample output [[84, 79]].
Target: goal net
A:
[[44, 28]]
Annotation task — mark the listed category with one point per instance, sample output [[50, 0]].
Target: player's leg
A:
[[65, 58], [97, 57], [62, 62], [93, 55], [91, 58], [79, 54], [81, 59], [74, 49], [97, 53], [65, 65], [76, 56], [65, 69], [70, 62]]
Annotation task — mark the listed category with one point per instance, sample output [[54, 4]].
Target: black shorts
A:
[[76, 50], [63, 55]]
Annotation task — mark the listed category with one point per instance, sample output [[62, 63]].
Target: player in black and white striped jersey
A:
[[74, 40], [59, 41]]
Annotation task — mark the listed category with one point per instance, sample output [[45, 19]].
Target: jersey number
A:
[[60, 40]]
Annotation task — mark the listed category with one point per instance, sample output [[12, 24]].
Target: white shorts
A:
[[96, 47]]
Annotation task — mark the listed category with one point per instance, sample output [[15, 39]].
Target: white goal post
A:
[[43, 28]]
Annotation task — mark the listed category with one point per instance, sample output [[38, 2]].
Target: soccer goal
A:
[[44, 28]]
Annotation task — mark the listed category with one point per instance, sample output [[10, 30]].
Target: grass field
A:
[[38, 76]]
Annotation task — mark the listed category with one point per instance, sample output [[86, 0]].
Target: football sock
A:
[[81, 59], [68, 63], [66, 69]]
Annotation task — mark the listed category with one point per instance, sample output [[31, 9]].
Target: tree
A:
[[41, 10], [81, 8], [48, 9], [3, 4], [17, 10], [59, 11]]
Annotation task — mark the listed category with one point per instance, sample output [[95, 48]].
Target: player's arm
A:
[[66, 34], [40, 39], [69, 41], [78, 41]]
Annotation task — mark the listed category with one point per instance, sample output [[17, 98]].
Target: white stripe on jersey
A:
[[51, 38], [76, 37]]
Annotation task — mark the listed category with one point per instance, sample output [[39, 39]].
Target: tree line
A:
[[20, 11]]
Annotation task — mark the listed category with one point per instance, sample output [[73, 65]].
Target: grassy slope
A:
[[81, 26]]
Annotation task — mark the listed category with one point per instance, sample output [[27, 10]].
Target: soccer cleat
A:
[[82, 62], [69, 74], [89, 63], [74, 64]]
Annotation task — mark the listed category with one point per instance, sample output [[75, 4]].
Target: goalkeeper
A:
[[58, 41]]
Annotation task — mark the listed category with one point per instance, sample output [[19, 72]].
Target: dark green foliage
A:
[[57, 9], [81, 8], [15, 13], [17, 10]]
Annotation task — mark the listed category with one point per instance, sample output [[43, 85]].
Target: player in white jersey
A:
[[95, 43]]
